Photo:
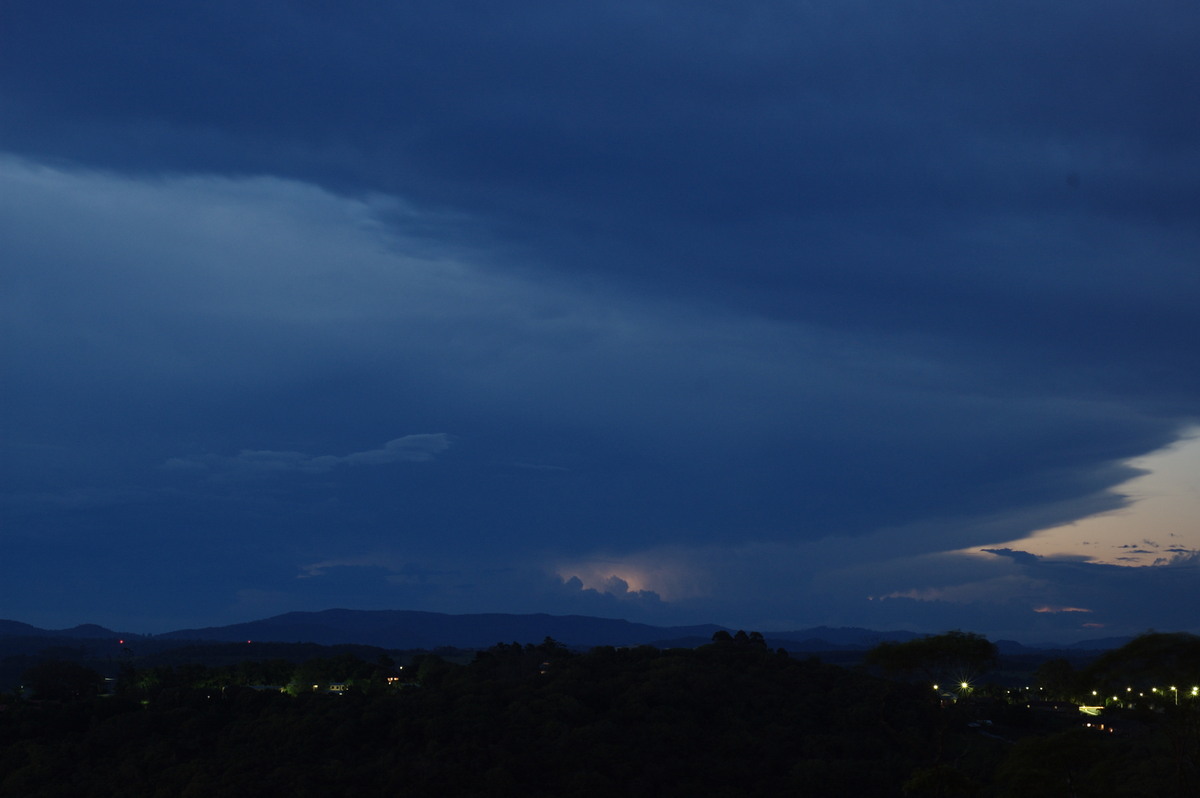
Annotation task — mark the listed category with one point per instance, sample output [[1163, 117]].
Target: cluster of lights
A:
[[1099, 702], [1194, 692], [1157, 691]]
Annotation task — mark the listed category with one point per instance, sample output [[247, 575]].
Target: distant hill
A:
[[85, 631], [825, 638], [406, 629], [18, 629], [1102, 644]]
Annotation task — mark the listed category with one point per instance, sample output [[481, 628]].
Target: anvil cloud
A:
[[760, 314]]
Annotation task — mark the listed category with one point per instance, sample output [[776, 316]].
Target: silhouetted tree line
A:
[[731, 718]]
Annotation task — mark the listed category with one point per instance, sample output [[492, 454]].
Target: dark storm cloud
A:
[[781, 272], [287, 319], [864, 166]]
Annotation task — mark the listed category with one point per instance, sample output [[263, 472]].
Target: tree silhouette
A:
[[948, 659], [58, 680]]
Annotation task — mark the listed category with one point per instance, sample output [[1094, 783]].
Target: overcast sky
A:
[[768, 314]]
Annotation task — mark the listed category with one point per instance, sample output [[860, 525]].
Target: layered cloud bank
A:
[[767, 316]]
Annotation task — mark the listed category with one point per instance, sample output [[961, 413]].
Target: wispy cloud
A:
[[408, 449]]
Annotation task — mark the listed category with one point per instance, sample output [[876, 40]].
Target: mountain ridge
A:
[[419, 629], [416, 629], [84, 631]]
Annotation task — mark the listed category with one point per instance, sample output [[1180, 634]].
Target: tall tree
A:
[[947, 659]]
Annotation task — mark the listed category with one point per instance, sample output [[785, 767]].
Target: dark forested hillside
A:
[[731, 718], [728, 719]]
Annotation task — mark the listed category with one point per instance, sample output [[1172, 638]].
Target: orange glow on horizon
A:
[[648, 572], [1160, 524]]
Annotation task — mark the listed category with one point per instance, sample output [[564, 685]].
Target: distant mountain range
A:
[[404, 629], [86, 631]]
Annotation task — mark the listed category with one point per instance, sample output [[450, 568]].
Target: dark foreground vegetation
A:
[[731, 718]]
